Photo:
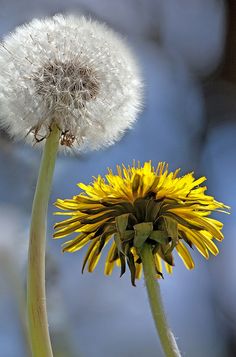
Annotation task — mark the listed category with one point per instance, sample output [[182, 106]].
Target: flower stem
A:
[[36, 295], [167, 339]]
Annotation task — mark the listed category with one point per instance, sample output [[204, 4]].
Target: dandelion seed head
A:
[[71, 71]]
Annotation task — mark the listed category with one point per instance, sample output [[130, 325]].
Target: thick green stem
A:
[[36, 296], [167, 339]]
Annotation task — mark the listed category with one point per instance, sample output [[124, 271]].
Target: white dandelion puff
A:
[[73, 72]]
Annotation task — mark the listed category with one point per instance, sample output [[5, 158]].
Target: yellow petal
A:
[[185, 255], [76, 243], [68, 221], [94, 257], [109, 266], [199, 244], [169, 268], [138, 272], [93, 246], [210, 224], [68, 230], [157, 260], [207, 239]]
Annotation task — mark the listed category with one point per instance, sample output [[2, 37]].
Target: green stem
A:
[[167, 339], [36, 295]]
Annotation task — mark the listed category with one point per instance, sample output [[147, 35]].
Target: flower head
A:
[[136, 206], [70, 71]]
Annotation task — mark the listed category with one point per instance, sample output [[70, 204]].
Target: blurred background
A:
[[187, 52]]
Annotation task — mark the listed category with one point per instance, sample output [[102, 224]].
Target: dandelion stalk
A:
[[36, 297], [167, 339]]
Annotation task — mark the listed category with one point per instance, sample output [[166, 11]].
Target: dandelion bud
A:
[[72, 72]]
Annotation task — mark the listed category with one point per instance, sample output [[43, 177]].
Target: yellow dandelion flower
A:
[[141, 204]]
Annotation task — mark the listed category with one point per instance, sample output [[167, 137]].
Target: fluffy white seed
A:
[[71, 71]]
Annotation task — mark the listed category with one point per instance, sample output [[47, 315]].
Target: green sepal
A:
[[125, 248], [132, 268], [118, 241], [169, 225], [149, 205], [122, 241], [159, 237], [140, 208], [122, 222], [127, 236], [168, 257], [156, 248], [170, 247], [153, 214], [123, 208], [142, 233], [122, 263]]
